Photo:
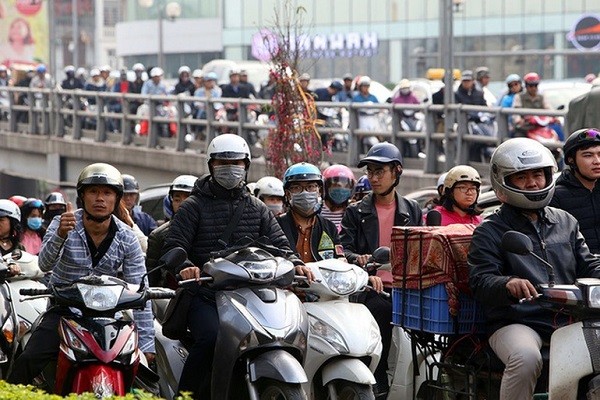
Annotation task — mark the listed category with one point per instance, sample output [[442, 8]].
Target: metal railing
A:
[[107, 116]]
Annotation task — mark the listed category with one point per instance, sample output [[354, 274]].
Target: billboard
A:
[[23, 32]]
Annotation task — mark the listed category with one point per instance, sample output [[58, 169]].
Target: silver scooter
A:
[[263, 329]]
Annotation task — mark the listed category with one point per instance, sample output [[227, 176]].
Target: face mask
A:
[[339, 195], [49, 215], [404, 92], [229, 176], [306, 203], [276, 209], [34, 223]]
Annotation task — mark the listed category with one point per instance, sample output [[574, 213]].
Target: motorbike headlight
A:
[[340, 282], [594, 296], [100, 298], [260, 270], [327, 332], [374, 338], [73, 342]]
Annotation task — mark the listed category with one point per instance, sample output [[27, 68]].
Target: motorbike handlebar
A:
[[160, 294], [34, 292]]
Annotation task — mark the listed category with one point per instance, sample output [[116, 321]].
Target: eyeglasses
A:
[[590, 134], [467, 189], [531, 84], [311, 187], [377, 173]]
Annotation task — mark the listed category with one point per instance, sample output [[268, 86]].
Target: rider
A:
[[363, 95], [185, 85], [405, 94], [521, 174], [577, 190], [32, 225], [467, 93], [131, 197], [338, 182], [154, 85], [79, 243], [71, 82], [198, 227], [367, 225], [180, 189], [10, 228], [362, 188], [513, 81], [482, 76], [458, 202], [269, 190], [54, 205]]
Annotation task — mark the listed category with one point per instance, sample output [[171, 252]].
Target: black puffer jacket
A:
[[156, 240], [559, 242], [360, 226], [200, 221], [583, 204]]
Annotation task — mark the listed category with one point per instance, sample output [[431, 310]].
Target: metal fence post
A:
[[181, 128], [100, 120]]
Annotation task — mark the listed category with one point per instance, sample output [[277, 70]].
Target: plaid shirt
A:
[[70, 259]]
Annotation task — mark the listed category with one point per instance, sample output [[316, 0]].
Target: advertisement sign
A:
[[23, 32], [585, 34]]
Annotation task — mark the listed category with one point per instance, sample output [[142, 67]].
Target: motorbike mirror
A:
[[381, 255], [16, 254], [517, 243], [171, 259]]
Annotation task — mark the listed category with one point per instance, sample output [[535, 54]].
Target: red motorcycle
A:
[[98, 350], [543, 129]]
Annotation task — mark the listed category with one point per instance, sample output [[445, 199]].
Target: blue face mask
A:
[[339, 195], [34, 223]]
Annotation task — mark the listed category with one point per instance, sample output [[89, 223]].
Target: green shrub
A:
[[22, 392]]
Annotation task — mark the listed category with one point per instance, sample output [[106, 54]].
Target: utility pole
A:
[[446, 41]]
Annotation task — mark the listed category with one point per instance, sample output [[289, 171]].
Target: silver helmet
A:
[[522, 154]]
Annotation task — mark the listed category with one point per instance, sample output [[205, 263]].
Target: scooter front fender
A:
[[348, 369], [278, 365]]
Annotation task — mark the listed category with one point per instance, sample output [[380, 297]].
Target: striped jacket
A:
[[70, 259]]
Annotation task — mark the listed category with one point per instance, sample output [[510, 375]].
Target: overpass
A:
[[45, 145]]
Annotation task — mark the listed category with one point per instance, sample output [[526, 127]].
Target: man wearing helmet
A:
[[530, 98], [521, 174], [10, 231], [367, 225], [184, 85], [54, 205], [577, 190], [71, 82], [136, 85], [87, 241], [482, 77], [362, 188], [180, 189], [154, 85], [199, 227], [131, 198], [363, 95], [269, 190], [458, 200]]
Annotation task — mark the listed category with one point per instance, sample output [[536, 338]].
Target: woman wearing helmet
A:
[[367, 225], [79, 243], [32, 225], [338, 183], [180, 189], [269, 190], [458, 203], [10, 227], [199, 227], [521, 174], [513, 82], [577, 191]]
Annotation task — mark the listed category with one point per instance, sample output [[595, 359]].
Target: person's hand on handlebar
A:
[[376, 283], [521, 288], [362, 259], [190, 273], [305, 271]]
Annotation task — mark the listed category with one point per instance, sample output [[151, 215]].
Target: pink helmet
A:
[[339, 183]]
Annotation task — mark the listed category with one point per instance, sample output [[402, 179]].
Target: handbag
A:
[[174, 325]]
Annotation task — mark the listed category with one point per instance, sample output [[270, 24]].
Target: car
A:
[[559, 93], [151, 200]]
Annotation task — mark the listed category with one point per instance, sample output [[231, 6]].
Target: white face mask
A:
[[229, 176]]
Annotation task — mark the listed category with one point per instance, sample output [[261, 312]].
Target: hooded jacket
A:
[[570, 195], [559, 242], [202, 218]]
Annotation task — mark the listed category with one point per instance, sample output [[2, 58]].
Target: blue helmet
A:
[[382, 153], [302, 172], [41, 69], [363, 185]]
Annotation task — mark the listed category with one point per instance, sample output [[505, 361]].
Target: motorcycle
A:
[[332, 118], [482, 124], [17, 317], [98, 348], [263, 328], [412, 121], [341, 356], [371, 119], [544, 130], [163, 110]]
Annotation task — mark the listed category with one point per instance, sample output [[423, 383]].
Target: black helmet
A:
[[100, 174], [55, 198], [586, 137], [130, 184], [382, 153]]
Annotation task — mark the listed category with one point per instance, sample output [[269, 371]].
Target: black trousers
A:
[[381, 309], [41, 349], [203, 322]]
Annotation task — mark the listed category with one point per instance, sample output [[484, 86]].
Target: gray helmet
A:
[[183, 183], [100, 174], [130, 184], [522, 154]]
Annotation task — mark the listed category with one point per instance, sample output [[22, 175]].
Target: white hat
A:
[[198, 73], [156, 71]]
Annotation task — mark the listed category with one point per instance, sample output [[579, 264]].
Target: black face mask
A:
[[50, 214]]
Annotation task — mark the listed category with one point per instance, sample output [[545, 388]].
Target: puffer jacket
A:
[[360, 226], [559, 242], [156, 240], [571, 196], [202, 218]]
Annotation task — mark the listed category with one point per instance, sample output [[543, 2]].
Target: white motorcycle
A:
[[16, 316], [344, 344]]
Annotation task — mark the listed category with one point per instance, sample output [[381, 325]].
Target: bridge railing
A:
[[187, 123]]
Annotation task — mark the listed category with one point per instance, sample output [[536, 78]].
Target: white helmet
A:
[[69, 68], [269, 186], [94, 72], [184, 68], [229, 146], [156, 71], [364, 80], [105, 68], [404, 84], [81, 72], [183, 183], [10, 210], [522, 154], [198, 73], [138, 67], [441, 179]]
